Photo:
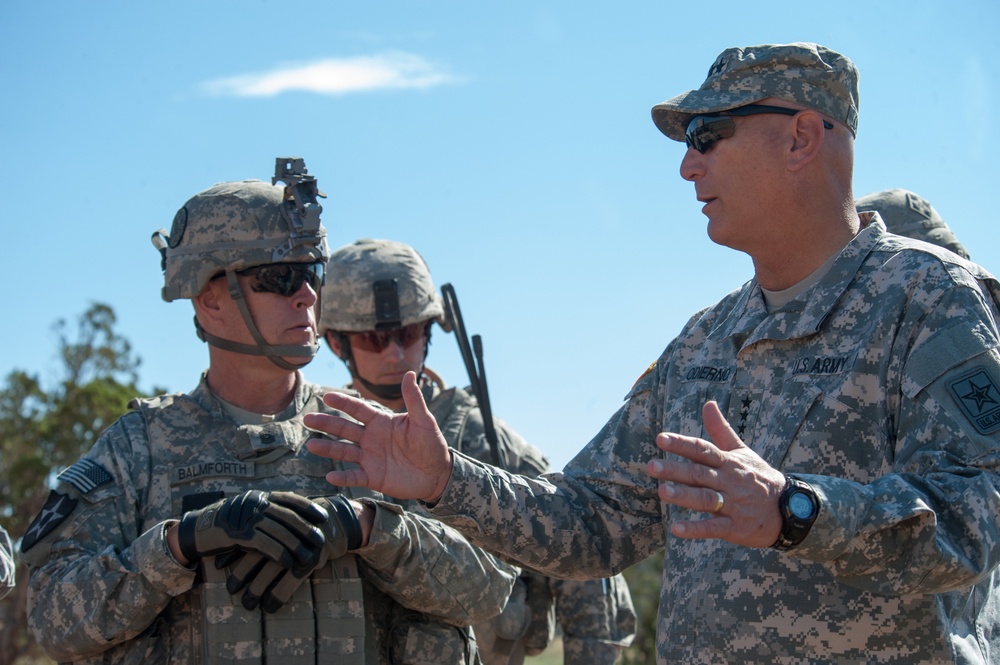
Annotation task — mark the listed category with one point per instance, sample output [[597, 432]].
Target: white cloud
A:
[[337, 76]]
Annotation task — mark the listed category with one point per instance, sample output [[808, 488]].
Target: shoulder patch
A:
[[85, 475], [642, 376], [978, 396], [56, 509]]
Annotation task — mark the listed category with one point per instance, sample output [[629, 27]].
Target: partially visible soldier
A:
[[8, 569], [185, 534], [907, 214], [378, 308]]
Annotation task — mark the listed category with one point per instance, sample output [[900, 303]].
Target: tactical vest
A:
[[451, 409], [530, 614], [198, 456]]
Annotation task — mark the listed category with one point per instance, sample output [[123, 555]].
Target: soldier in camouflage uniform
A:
[[818, 452], [8, 569], [378, 307], [185, 535], [907, 214]]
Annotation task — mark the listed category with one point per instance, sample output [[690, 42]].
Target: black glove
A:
[[270, 584], [281, 526]]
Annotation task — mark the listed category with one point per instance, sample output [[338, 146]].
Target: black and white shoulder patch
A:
[[86, 475], [978, 395], [56, 509]]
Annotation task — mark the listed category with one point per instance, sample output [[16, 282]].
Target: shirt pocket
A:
[[809, 430]]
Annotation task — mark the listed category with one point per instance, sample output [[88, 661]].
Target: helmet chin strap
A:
[[386, 391], [272, 352]]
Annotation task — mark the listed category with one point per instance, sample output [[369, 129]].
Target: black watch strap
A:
[[799, 508]]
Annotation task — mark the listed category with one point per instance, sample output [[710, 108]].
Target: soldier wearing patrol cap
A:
[[199, 529], [908, 214], [379, 306], [818, 452]]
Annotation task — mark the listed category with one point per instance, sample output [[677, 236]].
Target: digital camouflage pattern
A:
[[807, 74], [349, 300], [596, 616], [907, 214], [232, 226], [880, 387], [597, 626], [8, 570], [104, 588]]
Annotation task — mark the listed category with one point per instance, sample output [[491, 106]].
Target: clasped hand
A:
[[270, 542]]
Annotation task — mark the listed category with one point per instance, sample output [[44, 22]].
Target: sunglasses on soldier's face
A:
[[704, 131], [376, 341], [285, 279]]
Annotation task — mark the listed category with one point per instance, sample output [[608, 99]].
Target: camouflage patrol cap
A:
[[910, 215], [806, 74], [367, 270], [232, 226]]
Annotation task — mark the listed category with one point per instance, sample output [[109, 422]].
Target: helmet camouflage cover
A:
[[377, 285], [232, 226], [907, 214]]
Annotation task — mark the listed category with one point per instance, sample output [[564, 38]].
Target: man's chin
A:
[[298, 361]]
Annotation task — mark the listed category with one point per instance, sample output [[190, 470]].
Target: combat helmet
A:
[[377, 285], [233, 226], [908, 214]]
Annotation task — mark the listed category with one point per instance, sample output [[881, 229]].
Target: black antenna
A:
[[477, 377]]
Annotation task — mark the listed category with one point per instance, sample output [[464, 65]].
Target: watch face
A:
[[800, 505]]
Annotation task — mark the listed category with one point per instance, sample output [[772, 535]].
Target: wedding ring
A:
[[720, 502]]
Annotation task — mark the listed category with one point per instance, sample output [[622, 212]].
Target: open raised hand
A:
[[403, 455]]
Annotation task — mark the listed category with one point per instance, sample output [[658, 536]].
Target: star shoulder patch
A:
[[56, 509], [978, 396]]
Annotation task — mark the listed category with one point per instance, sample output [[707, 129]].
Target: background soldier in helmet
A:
[[378, 307], [908, 214], [185, 535]]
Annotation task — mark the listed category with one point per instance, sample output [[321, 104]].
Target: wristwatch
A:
[[799, 507]]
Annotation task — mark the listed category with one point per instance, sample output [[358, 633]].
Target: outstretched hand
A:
[[402, 455], [726, 479]]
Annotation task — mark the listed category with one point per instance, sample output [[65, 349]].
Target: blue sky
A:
[[511, 144]]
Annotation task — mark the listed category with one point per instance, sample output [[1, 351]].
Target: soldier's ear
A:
[[208, 303], [333, 340], [808, 134]]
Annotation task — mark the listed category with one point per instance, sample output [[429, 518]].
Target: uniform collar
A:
[[750, 321]]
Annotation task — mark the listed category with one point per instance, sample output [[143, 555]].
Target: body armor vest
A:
[[324, 622]]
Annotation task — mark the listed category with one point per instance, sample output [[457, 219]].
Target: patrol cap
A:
[[910, 215], [807, 74], [375, 285]]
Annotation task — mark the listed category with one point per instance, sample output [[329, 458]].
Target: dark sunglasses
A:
[[704, 131], [376, 341], [285, 279]]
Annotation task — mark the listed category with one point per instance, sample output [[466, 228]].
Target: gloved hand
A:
[[270, 584], [280, 526]]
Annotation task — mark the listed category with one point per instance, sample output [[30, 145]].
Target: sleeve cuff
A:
[[842, 505], [152, 556]]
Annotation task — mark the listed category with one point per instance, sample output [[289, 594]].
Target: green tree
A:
[[644, 582], [44, 430]]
